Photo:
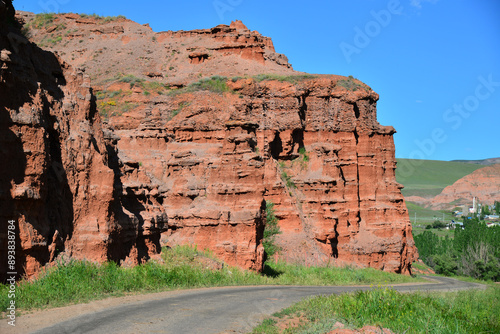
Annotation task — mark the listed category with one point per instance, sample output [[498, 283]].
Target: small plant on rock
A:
[[271, 230]]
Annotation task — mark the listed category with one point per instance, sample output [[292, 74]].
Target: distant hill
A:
[[427, 178], [490, 161], [483, 183]]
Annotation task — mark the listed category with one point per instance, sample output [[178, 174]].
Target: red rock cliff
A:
[[314, 148], [55, 178], [192, 166]]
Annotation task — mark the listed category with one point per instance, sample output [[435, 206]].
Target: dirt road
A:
[[210, 310]]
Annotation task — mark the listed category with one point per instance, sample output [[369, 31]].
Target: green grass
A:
[[215, 84], [42, 20], [132, 80], [427, 178], [425, 216], [183, 267], [282, 78], [351, 84], [103, 19], [472, 311], [422, 266]]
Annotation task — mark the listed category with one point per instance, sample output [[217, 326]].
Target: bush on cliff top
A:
[[350, 84], [215, 84], [283, 78]]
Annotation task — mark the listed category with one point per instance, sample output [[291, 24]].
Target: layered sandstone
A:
[[187, 164], [55, 177], [215, 165], [107, 48]]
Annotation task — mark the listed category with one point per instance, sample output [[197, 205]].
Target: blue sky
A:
[[435, 63]]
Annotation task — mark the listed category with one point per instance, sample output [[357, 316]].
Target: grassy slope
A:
[[428, 178], [426, 217], [473, 311]]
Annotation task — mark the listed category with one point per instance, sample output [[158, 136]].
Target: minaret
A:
[[474, 205]]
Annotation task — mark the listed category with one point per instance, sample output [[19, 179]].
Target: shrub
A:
[[303, 153], [438, 224], [42, 20], [127, 106], [288, 180], [216, 84], [271, 230], [131, 79], [283, 78], [349, 84]]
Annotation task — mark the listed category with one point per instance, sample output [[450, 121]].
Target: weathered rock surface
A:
[[55, 177], [313, 148], [191, 166], [108, 47]]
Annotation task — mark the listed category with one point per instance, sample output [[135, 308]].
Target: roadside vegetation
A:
[[181, 267], [472, 311]]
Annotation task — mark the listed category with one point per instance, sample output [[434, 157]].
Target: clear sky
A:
[[435, 63]]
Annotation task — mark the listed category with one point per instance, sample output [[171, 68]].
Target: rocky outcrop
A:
[[313, 148], [106, 47], [191, 162], [55, 177]]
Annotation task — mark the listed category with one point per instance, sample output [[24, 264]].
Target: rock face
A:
[[194, 164], [483, 183], [313, 148], [107, 47], [55, 175]]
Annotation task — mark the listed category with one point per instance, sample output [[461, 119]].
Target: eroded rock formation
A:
[[193, 165], [483, 183], [313, 148], [55, 177]]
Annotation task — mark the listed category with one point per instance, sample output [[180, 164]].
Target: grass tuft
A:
[[350, 84], [283, 78]]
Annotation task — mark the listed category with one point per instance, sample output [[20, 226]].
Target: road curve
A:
[[214, 310]]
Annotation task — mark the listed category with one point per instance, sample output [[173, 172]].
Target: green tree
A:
[[474, 251], [270, 231], [485, 210]]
